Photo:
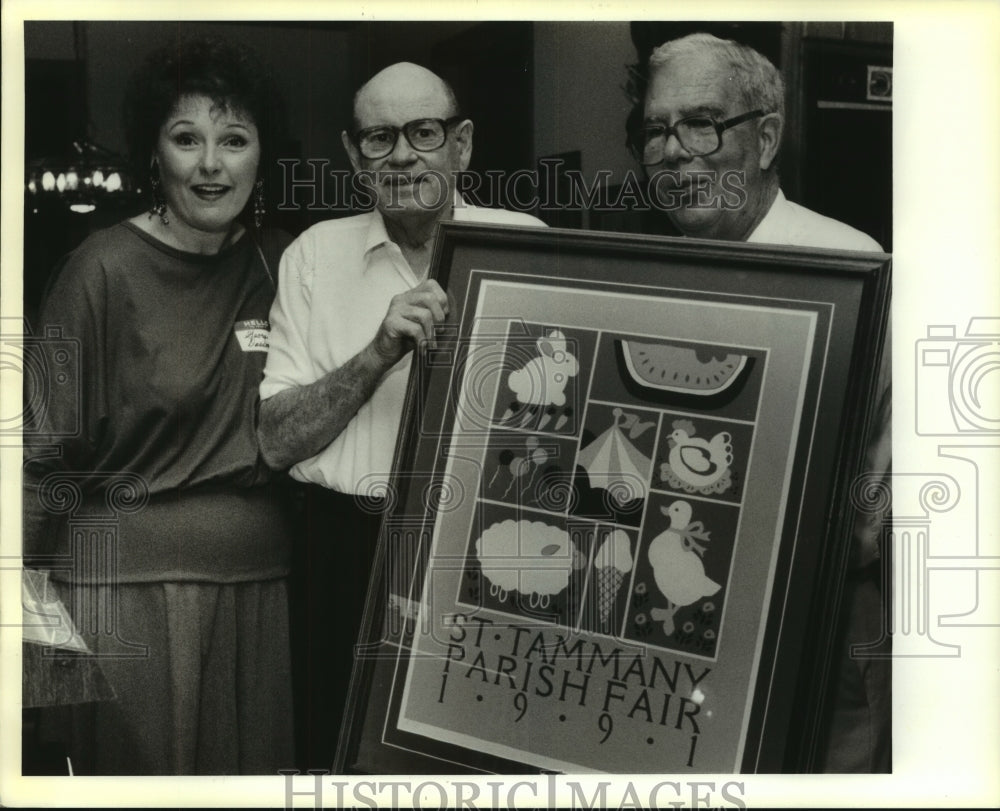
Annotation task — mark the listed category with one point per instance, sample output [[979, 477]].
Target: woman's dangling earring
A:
[[258, 203], [159, 203]]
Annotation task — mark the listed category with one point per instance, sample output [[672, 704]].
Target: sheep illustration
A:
[[529, 557], [541, 383]]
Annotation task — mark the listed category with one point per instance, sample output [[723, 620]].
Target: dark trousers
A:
[[332, 562], [859, 736]]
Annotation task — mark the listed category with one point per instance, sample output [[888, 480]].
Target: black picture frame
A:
[[454, 632]]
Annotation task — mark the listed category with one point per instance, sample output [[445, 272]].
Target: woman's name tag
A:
[[253, 335]]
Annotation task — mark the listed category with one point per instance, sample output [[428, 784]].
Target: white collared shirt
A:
[[335, 284]]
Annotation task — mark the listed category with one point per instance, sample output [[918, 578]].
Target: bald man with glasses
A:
[[353, 303]]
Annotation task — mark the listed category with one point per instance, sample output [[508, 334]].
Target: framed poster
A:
[[619, 522]]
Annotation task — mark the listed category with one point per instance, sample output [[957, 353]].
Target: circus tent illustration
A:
[[614, 464]]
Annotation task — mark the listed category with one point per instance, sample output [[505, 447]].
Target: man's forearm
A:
[[298, 423]]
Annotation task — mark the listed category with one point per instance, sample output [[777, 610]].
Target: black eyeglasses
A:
[[698, 135], [423, 134]]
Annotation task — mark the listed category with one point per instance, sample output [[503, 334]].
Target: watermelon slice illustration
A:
[[681, 368]]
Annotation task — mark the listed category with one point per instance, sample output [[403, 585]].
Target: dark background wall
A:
[[534, 89]]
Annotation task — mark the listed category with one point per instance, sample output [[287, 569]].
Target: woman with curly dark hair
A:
[[185, 603]]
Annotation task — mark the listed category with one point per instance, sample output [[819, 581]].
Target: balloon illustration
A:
[[522, 467]]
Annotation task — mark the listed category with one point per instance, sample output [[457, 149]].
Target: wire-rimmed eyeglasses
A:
[[423, 134], [698, 135]]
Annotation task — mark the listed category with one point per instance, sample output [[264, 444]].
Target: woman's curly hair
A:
[[229, 73]]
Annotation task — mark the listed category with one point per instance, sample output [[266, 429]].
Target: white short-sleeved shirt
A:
[[334, 288], [788, 223]]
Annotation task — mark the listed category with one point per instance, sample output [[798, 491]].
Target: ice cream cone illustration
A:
[[613, 561]]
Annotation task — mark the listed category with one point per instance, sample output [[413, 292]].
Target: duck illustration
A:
[[678, 569], [696, 463]]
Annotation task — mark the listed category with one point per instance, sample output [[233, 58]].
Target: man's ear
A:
[[769, 131], [352, 151], [463, 137]]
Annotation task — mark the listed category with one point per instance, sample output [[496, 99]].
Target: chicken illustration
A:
[[678, 569], [696, 464]]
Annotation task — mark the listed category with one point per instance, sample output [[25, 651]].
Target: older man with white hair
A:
[[713, 119], [709, 139]]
